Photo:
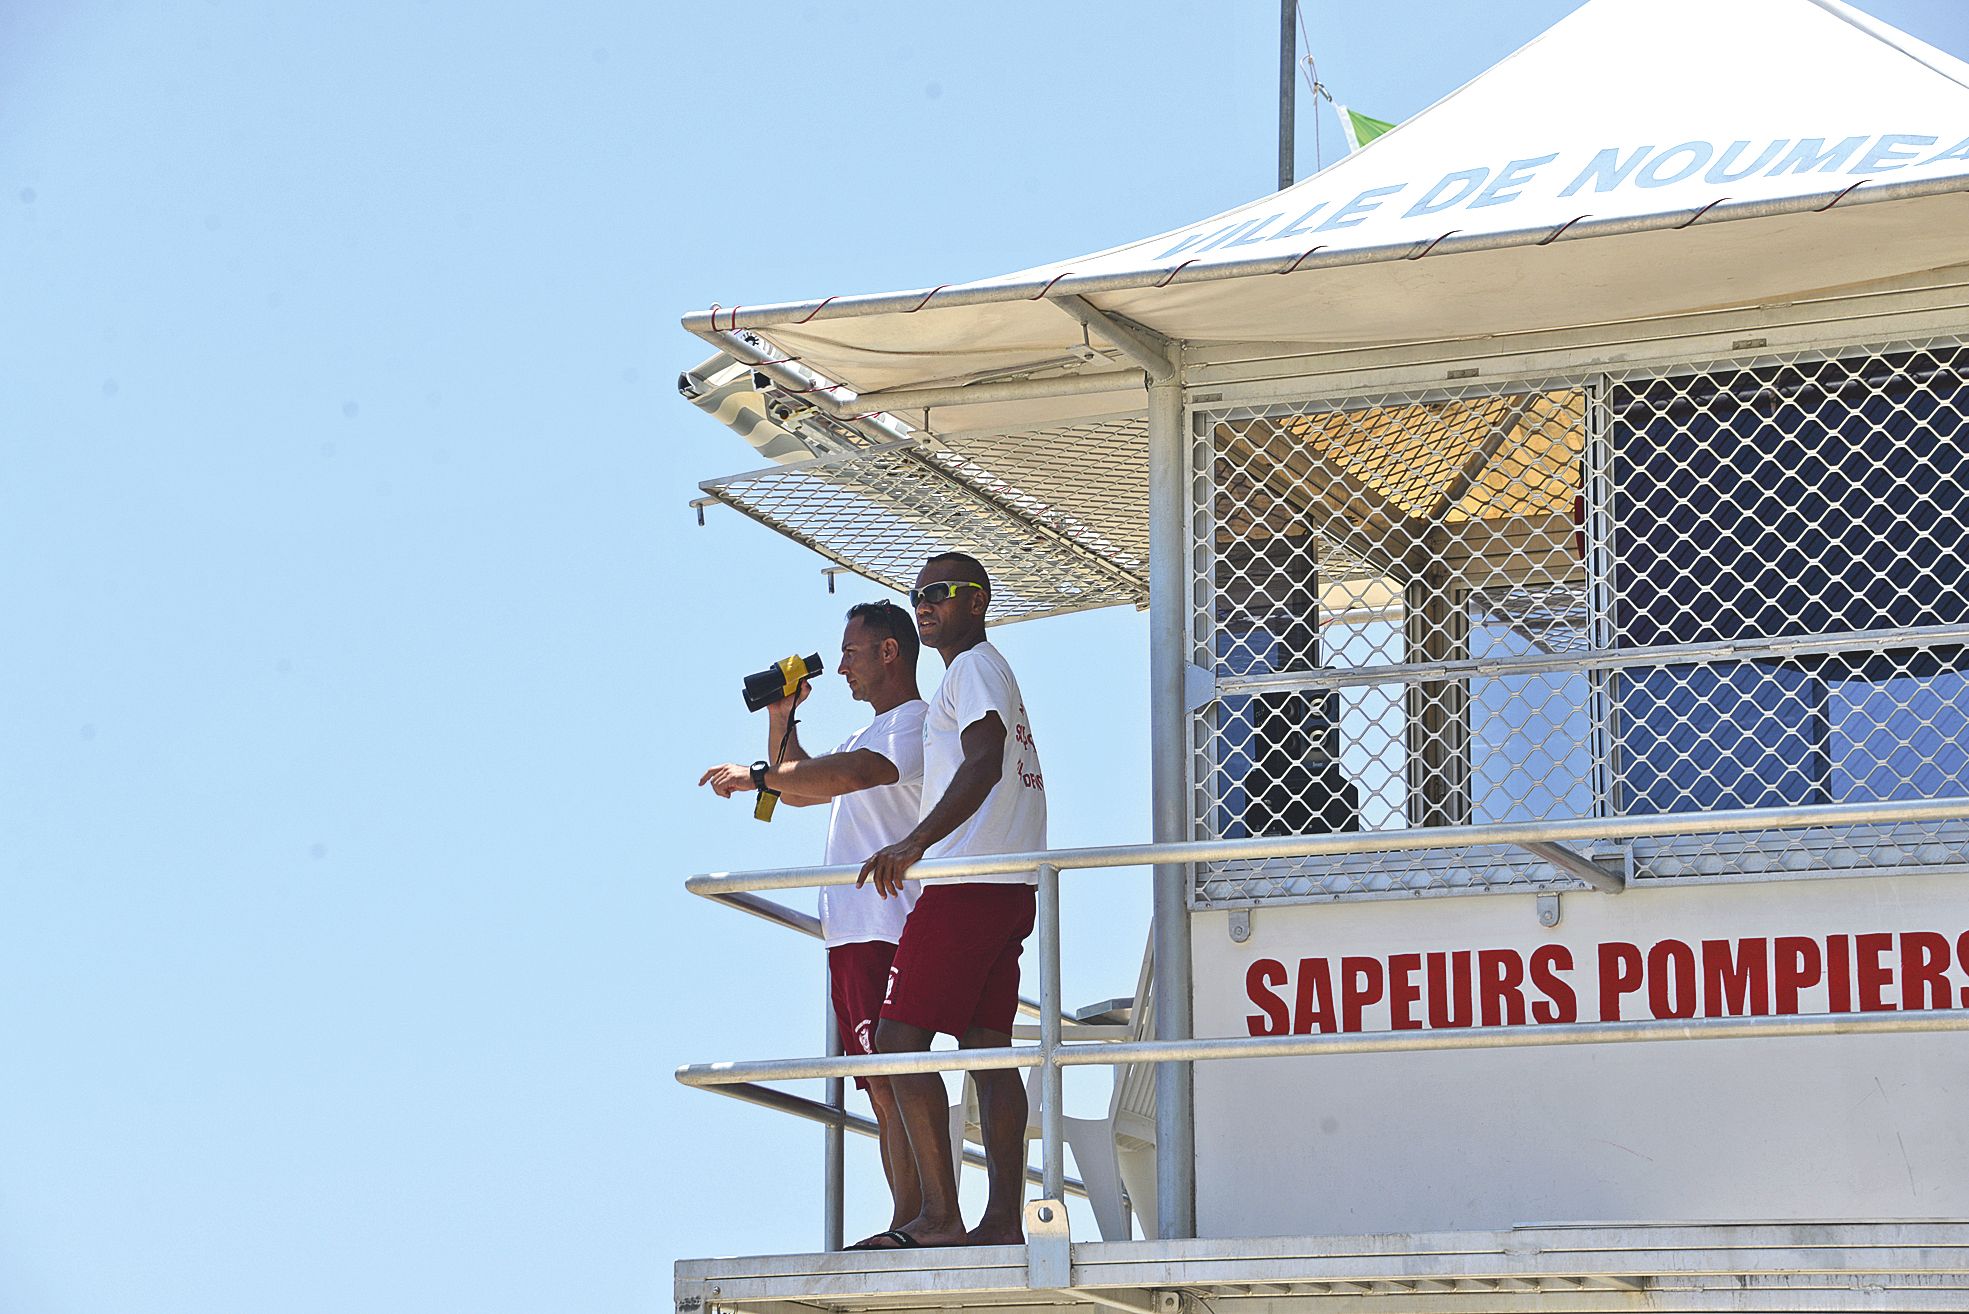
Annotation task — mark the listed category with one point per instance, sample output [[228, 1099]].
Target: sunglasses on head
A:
[[942, 591]]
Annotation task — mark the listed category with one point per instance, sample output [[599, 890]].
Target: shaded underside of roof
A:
[[1059, 517]]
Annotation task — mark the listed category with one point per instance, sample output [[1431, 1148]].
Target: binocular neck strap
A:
[[769, 798]]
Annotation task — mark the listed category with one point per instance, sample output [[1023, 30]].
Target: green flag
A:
[[1359, 128]]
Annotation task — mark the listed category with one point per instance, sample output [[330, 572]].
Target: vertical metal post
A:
[[832, 1188], [1052, 1163], [1169, 587], [1286, 90], [1597, 487]]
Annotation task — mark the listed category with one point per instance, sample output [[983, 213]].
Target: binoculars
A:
[[780, 680]]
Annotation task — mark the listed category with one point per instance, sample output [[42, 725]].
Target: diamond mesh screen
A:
[[1055, 516], [1735, 585]]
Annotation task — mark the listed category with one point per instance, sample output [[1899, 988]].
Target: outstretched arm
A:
[[782, 747], [984, 762], [809, 780]]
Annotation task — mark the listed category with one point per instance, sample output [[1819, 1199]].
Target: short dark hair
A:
[[973, 569], [891, 622]]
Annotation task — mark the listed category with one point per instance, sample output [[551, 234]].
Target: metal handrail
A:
[[1512, 833], [1524, 1036], [1054, 1052]]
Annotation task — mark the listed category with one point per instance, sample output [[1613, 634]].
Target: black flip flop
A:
[[902, 1240]]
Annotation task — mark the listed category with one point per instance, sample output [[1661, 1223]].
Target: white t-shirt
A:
[[1012, 819], [871, 819]]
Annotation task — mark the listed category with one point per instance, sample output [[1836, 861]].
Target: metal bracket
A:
[[1049, 1249], [1604, 879], [1137, 342], [1168, 1302], [1620, 856], [1199, 687], [1548, 910], [831, 572], [1240, 925], [699, 503]]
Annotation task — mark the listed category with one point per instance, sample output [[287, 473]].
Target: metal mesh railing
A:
[[1733, 585], [1055, 516]]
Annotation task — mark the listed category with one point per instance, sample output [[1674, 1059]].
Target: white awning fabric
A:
[[1641, 158]]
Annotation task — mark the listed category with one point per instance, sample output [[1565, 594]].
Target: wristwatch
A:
[[759, 770]]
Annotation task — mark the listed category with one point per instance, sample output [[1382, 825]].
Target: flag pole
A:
[[1286, 12]]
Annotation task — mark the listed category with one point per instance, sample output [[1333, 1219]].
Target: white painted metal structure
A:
[[1563, 501], [1667, 1268]]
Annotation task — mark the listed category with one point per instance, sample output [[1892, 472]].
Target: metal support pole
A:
[[833, 1177], [971, 394], [1051, 1084], [1286, 90], [1169, 510]]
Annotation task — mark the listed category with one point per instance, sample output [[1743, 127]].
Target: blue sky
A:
[[362, 653]]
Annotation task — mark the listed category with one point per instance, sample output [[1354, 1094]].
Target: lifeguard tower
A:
[[1554, 522]]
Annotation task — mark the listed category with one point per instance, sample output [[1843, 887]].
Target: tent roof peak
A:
[[1639, 159]]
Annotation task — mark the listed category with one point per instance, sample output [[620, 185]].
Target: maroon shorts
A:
[[856, 976], [957, 968]]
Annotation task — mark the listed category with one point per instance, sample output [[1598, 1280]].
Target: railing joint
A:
[[1566, 860]]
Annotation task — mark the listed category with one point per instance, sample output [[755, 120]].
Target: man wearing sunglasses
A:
[[957, 967]]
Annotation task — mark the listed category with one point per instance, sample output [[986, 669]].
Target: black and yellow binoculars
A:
[[780, 680]]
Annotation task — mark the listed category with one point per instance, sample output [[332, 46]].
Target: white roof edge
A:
[[717, 319], [1930, 58]]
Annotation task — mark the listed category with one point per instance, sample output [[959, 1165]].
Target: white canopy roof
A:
[[1641, 158]]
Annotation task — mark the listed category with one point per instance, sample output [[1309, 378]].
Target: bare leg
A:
[[897, 1164], [923, 1103], [1002, 1113]]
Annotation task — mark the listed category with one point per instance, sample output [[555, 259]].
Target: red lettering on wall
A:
[[1620, 974], [1259, 979], [1962, 957], [1924, 971], [1449, 989], [1838, 974], [1875, 976], [1752, 976], [1360, 985], [1672, 979], [1500, 986], [1799, 967], [1736, 979], [1561, 1003], [1403, 992], [1312, 1009]]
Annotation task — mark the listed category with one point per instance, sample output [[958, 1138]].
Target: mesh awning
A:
[[1058, 517]]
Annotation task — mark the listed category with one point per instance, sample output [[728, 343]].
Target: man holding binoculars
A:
[[951, 965], [875, 782]]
